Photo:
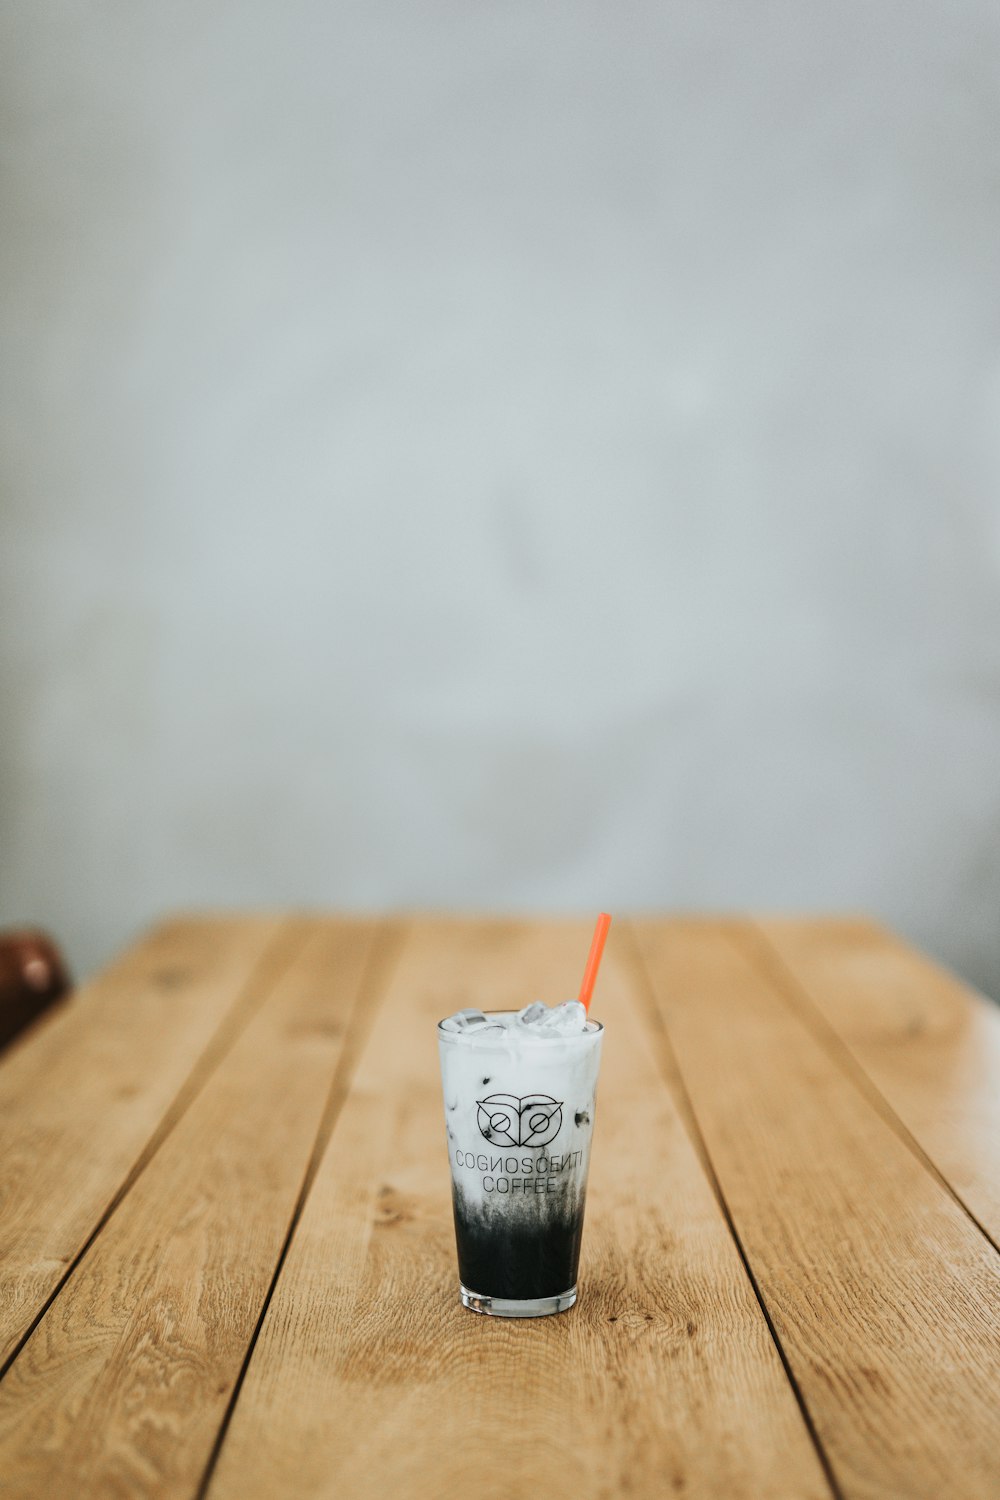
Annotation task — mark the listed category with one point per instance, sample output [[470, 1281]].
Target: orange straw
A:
[[594, 959]]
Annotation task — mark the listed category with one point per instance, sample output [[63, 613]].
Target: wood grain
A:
[[885, 1295], [368, 1378], [84, 1094], [929, 1044], [122, 1387]]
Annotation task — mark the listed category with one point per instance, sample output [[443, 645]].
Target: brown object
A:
[[33, 976], [229, 1262]]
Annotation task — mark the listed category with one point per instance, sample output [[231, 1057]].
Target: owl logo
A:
[[506, 1120]]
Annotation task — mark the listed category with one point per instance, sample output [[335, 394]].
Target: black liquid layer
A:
[[516, 1255]]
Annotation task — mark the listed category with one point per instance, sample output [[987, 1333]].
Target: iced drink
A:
[[519, 1095]]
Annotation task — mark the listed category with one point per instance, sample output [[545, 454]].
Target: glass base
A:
[[505, 1307]]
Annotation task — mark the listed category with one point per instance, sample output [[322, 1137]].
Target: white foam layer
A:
[[567, 1019]]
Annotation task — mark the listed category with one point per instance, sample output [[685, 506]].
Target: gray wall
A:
[[513, 454]]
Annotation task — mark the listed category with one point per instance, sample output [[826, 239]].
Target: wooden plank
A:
[[82, 1097], [369, 1379], [929, 1044], [121, 1389], [884, 1294]]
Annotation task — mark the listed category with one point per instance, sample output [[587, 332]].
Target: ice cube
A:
[[563, 1020], [532, 1013], [469, 1019]]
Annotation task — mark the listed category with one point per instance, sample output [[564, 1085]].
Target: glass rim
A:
[[592, 1031]]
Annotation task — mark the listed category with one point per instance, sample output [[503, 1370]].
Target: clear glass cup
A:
[[519, 1112]]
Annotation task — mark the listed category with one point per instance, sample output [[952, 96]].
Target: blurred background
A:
[[525, 456]]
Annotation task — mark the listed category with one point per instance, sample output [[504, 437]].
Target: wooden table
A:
[[228, 1264]]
